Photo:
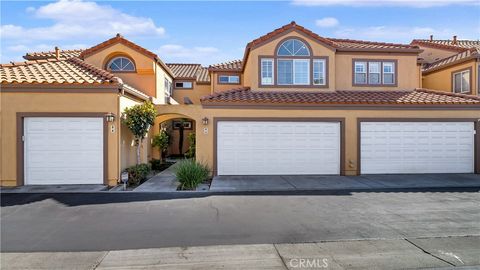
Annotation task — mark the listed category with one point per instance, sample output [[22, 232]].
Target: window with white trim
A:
[[168, 87], [293, 71], [388, 72], [233, 79], [266, 71], [461, 82], [360, 73], [120, 63], [183, 85], [293, 47], [319, 74], [374, 73]]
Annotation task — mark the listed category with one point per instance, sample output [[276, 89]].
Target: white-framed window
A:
[[374, 73], [293, 71], [187, 85], [461, 81], [233, 79], [266, 71], [360, 76], [388, 72], [120, 63], [293, 47], [319, 71], [168, 88]]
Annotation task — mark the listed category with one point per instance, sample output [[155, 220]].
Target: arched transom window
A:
[[121, 63], [293, 47]]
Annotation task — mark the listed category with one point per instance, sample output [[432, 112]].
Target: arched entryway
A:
[[181, 132]]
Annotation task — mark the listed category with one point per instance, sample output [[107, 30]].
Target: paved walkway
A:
[[164, 181], [292, 183], [444, 253]]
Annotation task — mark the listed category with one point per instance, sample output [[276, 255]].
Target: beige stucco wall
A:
[[407, 71], [205, 142], [442, 79], [11, 103], [198, 91]]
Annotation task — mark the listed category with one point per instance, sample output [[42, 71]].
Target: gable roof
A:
[[65, 54], [55, 71], [120, 39], [347, 45], [447, 44], [244, 96], [234, 65], [190, 71], [452, 60]]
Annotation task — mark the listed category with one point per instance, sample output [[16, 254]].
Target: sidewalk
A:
[[447, 252]]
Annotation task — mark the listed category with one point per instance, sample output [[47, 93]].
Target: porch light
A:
[[110, 117], [205, 121]]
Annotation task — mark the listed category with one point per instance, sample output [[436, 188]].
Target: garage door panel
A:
[[63, 150], [417, 147], [256, 148]]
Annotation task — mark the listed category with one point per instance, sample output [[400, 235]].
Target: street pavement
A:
[[102, 222]]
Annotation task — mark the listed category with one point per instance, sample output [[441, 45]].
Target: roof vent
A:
[[431, 37], [118, 35], [57, 52], [454, 42]]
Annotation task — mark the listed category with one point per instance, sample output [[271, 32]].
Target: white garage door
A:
[[417, 147], [272, 148], [63, 150]]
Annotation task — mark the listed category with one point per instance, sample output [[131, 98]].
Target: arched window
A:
[[121, 63], [293, 47]]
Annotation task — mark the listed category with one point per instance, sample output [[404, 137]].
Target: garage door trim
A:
[[20, 143], [476, 123], [280, 119]]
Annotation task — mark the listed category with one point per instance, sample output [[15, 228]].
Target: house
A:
[[296, 103], [450, 65]]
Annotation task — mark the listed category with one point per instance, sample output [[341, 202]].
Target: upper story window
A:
[[229, 79], [121, 63], [374, 73], [293, 47], [461, 81], [187, 85]]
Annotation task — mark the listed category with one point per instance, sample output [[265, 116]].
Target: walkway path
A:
[[165, 181]]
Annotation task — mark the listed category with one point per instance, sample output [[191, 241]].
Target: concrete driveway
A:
[[322, 182]]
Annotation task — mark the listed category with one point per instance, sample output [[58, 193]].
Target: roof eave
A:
[[456, 62], [383, 50]]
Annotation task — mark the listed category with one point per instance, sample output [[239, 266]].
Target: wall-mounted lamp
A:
[[205, 121], [110, 117]]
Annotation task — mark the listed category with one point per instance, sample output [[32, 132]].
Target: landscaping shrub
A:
[[191, 149], [191, 173], [156, 164], [137, 173]]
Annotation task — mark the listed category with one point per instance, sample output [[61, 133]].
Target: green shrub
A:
[[191, 149], [156, 164], [161, 141], [191, 173], [137, 173]]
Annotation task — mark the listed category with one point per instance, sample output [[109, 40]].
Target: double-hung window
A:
[[388, 73], [319, 72], [266, 71], [360, 73], [293, 72], [461, 81], [374, 72]]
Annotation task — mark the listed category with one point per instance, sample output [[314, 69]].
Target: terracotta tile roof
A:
[[451, 60], [365, 97], [235, 65], [65, 54], [70, 71], [190, 71], [459, 46], [340, 44]]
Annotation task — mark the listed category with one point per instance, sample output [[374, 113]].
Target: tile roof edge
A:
[[474, 53], [436, 45], [438, 92]]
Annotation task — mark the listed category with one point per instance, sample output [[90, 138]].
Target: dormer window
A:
[[121, 63], [293, 47]]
